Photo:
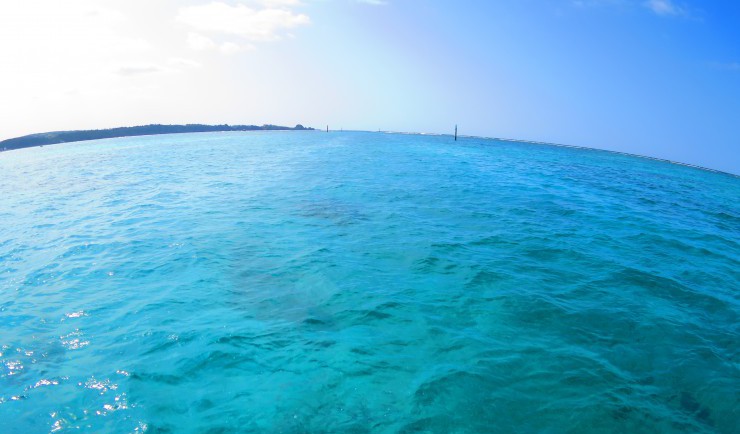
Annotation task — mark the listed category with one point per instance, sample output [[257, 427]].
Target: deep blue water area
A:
[[311, 282]]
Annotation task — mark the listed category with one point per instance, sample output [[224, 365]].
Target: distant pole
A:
[[456, 133], [327, 128]]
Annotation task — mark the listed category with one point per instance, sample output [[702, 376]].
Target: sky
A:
[[652, 77]]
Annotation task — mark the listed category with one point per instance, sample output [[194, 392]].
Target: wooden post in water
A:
[[327, 128], [456, 133]]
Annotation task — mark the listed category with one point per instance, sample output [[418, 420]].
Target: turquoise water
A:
[[364, 282]]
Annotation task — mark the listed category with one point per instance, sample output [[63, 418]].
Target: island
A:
[[55, 137]]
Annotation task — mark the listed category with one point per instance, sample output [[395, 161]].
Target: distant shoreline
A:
[[51, 138], [56, 137], [560, 145]]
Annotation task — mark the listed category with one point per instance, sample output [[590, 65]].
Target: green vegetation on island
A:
[[143, 130]]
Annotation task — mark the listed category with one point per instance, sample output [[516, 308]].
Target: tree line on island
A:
[[55, 137]]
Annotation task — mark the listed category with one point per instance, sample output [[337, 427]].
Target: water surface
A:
[[362, 282]]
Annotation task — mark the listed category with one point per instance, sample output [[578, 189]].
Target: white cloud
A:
[[180, 62], [51, 46], [174, 65], [278, 3], [665, 7], [231, 48], [132, 70], [658, 7], [198, 42], [78, 63], [253, 24], [373, 2]]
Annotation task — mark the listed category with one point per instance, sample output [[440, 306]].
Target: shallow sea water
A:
[[305, 282]]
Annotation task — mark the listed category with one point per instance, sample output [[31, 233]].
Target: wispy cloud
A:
[[196, 41], [665, 7], [373, 2], [199, 42], [268, 20], [129, 71], [173, 65], [180, 63], [278, 3]]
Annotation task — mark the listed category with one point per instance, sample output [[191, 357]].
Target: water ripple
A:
[[359, 282]]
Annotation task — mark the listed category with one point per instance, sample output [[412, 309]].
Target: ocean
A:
[[353, 282]]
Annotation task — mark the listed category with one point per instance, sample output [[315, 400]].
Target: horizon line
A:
[[318, 130]]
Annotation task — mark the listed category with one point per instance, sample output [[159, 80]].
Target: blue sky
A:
[[658, 78]]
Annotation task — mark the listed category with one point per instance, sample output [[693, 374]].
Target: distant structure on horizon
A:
[[55, 137]]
